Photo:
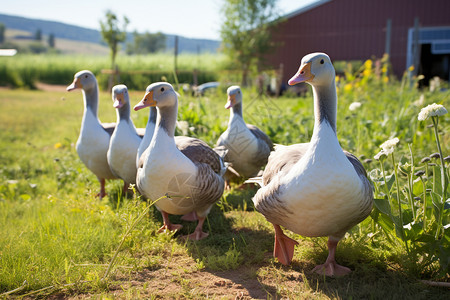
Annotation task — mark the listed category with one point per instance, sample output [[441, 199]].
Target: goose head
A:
[[159, 94], [234, 96], [83, 80], [315, 69], [120, 95]]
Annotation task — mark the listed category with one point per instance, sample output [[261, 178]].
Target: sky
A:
[[188, 18]]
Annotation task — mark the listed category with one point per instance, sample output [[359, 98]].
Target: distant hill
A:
[[77, 33]]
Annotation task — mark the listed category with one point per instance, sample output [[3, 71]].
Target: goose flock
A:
[[313, 189]]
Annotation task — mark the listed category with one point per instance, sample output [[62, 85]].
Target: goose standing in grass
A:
[[315, 189], [124, 141], [93, 142], [248, 147], [187, 171]]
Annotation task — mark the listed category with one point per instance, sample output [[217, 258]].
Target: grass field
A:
[[58, 239], [25, 70]]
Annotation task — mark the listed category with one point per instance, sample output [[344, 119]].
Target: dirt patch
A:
[[181, 277], [50, 87]]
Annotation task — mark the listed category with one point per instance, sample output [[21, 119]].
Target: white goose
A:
[[93, 142], [315, 189], [248, 147], [125, 140], [187, 171]]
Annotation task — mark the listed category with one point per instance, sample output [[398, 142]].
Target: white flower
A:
[[409, 226], [420, 101], [354, 106], [183, 126], [435, 84], [389, 145], [432, 110], [379, 155], [388, 151]]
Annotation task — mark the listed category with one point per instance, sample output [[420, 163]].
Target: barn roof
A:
[[305, 8]]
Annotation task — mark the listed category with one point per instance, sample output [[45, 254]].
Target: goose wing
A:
[[109, 127], [283, 159]]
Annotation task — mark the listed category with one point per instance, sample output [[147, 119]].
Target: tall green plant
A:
[[419, 216], [245, 32], [113, 34]]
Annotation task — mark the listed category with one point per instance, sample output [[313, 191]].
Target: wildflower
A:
[[354, 106], [389, 145], [435, 84], [380, 155], [419, 173], [404, 168], [411, 68], [435, 155], [57, 145], [425, 159], [419, 102], [368, 64], [348, 87], [409, 225], [431, 110], [183, 126]]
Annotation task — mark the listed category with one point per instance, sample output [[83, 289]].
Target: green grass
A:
[[25, 70], [58, 237]]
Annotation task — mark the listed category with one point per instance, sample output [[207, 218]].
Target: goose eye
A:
[[162, 89], [322, 61], [85, 76]]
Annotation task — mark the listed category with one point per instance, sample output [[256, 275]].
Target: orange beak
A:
[[231, 101], [76, 84], [118, 101], [303, 74], [146, 101]]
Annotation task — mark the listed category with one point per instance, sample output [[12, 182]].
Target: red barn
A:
[[412, 32]]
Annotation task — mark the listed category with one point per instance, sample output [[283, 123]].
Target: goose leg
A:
[[126, 191], [167, 226], [198, 233], [192, 216], [102, 188], [284, 246], [330, 267], [125, 187]]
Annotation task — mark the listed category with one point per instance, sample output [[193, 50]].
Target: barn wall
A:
[[354, 29]]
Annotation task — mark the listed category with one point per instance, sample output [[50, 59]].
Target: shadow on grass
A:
[[232, 251], [371, 278]]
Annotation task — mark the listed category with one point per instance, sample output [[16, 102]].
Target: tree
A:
[[51, 40], [112, 34], [245, 34], [147, 43], [38, 35], [2, 33]]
